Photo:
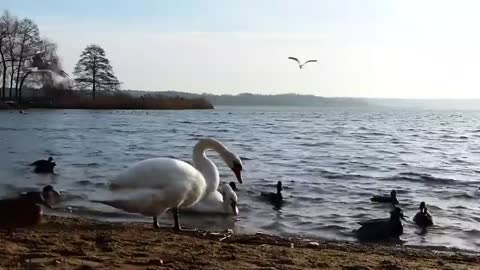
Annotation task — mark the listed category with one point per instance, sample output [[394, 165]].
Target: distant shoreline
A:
[[103, 104]]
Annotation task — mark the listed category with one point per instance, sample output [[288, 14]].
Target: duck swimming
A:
[[274, 198], [44, 166], [23, 211], [382, 229], [386, 199], [423, 217], [153, 186]]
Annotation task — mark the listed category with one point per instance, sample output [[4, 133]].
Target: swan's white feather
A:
[[152, 186], [214, 202]]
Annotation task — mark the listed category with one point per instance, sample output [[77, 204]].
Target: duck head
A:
[[50, 159], [396, 214], [279, 186], [393, 194], [422, 206]]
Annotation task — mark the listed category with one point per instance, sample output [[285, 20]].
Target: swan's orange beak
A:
[[238, 174]]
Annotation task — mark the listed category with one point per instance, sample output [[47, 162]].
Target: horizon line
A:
[[298, 94]]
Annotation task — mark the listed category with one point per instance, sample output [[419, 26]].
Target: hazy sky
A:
[[364, 48]]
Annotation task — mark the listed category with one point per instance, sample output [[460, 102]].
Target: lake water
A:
[[331, 161]]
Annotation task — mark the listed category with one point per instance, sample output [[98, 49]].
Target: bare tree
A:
[[23, 53], [3, 36], [28, 43], [44, 64], [94, 69]]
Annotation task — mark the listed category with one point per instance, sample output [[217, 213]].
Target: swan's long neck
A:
[[205, 165]]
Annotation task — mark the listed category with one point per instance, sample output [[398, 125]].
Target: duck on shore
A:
[[386, 199], [48, 194], [44, 166], [274, 198], [423, 217], [382, 229], [21, 212]]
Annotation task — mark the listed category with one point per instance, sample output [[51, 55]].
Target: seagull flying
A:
[[301, 65]]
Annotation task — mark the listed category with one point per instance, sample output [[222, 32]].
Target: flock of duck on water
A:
[[154, 186]]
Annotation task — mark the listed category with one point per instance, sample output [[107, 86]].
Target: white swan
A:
[[224, 201], [153, 186]]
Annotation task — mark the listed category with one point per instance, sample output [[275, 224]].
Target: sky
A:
[[364, 48]]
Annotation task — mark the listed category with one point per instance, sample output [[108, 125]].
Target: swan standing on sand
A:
[[153, 186], [224, 201]]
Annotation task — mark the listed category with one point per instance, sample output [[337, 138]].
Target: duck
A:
[[274, 198], [224, 202], [386, 199], [48, 193], [44, 166], [233, 186], [153, 186], [423, 217], [21, 212], [382, 229]]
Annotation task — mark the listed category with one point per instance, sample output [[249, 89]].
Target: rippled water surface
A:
[[331, 161]]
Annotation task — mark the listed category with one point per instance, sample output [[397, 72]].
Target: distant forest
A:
[[248, 99]]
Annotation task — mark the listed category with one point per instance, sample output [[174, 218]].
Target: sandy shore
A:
[[75, 243]]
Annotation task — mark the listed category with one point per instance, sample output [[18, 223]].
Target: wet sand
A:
[[77, 243]]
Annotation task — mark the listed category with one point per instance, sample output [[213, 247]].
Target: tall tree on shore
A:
[[3, 37], [22, 53], [94, 70]]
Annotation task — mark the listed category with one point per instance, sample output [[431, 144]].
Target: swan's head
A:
[[235, 164], [230, 199]]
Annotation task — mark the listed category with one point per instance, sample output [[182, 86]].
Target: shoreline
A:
[[105, 105], [81, 243]]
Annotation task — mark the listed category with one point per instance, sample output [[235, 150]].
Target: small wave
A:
[[316, 144], [83, 183], [8, 129], [462, 196], [423, 177], [86, 165], [474, 233]]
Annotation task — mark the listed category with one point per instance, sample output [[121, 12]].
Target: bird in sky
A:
[[299, 64]]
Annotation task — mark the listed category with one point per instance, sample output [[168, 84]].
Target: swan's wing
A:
[[156, 173], [295, 59], [174, 182], [310, 61]]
